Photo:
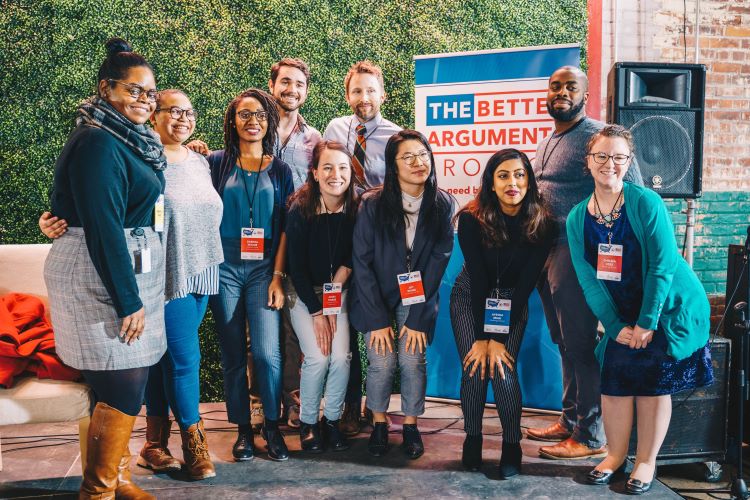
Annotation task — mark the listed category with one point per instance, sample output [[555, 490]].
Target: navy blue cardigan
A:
[[378, 257], [281, 177]]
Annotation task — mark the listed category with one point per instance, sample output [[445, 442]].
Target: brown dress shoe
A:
[[570, 449], [349, 423], [126, 488], [554, 433], [195, 452], [155, 455]]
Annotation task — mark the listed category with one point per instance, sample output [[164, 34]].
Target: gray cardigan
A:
[[193, 211]]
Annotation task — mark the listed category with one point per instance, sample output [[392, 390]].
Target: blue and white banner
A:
[[470, 105]]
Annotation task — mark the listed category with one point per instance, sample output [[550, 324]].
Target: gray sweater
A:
[[193, 211], [560, 169]]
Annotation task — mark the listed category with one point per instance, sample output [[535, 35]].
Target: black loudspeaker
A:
[[698, 429], [663, 106]]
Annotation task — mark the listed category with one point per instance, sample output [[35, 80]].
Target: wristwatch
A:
[[280, 273]]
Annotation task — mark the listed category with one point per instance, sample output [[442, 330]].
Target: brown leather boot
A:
[[155, 454], [107, 442], [126, 489], [195, 452]]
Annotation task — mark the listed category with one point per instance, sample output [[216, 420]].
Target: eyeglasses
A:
[[602, 158], [136, 90], [177, 113], [410, 159], [245, 115]]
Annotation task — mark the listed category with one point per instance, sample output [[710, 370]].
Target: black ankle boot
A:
[[378, 444], [472, 456], [277, 449], [412, 444], [510, 460], [309, 437], [243, 446], [334, 438]]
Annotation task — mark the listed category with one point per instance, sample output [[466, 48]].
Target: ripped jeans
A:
[[316, 367]]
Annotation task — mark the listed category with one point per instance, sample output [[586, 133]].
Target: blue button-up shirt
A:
[[298, 150], [378, 131]]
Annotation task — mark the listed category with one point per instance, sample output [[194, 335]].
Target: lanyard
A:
[[280, 150], [546, 157], [499, 274], [335, 243], [255, 189]]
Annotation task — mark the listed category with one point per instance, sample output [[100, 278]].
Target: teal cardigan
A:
[[673, 297]]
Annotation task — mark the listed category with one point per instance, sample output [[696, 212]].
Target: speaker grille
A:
[[664, 148]]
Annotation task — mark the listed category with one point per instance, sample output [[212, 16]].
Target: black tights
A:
[[120, 389]]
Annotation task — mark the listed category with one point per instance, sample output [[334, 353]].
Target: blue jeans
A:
[[316, 367], [243, 297], [382, 369], [174, 381]]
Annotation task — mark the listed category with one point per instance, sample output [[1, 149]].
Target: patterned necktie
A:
[[358, 160]]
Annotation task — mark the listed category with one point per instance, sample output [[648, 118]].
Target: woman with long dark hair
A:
[[105, 275], [403, 239], [254, 186], [505, 235], [319, 232]]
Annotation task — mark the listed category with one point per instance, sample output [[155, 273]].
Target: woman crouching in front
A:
[[505, 236]]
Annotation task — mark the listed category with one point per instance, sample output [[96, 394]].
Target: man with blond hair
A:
[[364, 133]]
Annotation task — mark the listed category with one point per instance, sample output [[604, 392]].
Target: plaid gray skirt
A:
[[84, 319]]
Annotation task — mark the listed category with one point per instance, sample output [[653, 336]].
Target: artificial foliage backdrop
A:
[[50, 51]]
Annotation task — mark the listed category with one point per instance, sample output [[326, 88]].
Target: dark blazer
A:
[[378, 257]]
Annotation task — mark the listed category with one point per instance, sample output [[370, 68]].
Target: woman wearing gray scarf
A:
[[105, 275]]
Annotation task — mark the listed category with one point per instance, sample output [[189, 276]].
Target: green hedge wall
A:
[[50, 51]]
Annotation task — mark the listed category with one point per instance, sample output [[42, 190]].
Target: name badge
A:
[[142, 260], [331, 299], [411, 288], [251, 243], [497, 316], [159, 214], [609, 262]]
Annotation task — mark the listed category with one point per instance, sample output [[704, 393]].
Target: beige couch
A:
[[32, 400]]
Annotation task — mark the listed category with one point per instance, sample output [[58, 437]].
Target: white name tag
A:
[[331, 299], [251, 244], [609, 262], [497, 315], [159, 214], [142, 260], [411, 288]]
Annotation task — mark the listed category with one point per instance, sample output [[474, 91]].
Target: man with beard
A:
[[295, 139], [560, 168], [366, 132]]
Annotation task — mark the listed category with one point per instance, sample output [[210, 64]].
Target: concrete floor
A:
[[42, 461]]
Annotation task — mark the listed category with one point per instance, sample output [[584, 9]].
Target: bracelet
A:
[[280, 273]]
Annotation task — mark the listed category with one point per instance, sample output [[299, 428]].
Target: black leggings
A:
[[120, 389], [507, 391]]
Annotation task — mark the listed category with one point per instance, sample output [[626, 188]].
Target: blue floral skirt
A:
[[651, 371]]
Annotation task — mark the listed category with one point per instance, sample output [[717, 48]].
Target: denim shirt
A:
[[298, 150]]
